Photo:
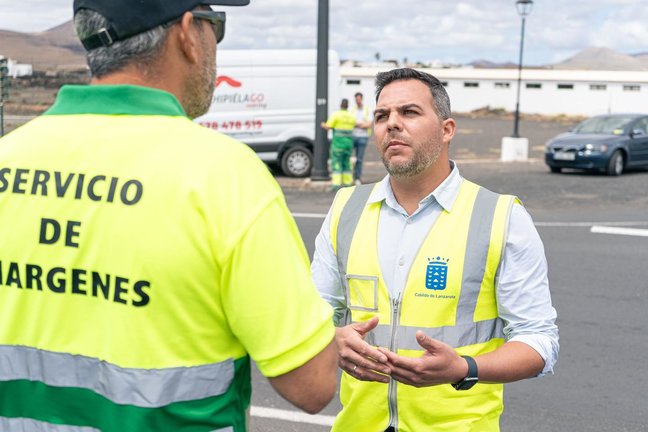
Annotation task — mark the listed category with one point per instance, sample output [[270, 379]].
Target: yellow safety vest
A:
[[449, 294], [129, 284]]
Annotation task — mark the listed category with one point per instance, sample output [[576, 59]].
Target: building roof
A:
[[569, 76]]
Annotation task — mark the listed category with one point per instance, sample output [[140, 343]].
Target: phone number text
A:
[[234, 125]]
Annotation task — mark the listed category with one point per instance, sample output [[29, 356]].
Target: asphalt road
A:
[[598, 284]]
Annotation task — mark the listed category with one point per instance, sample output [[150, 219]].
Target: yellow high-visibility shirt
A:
[[143, 260]]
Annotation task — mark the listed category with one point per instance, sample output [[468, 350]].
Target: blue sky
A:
[[450, 31]]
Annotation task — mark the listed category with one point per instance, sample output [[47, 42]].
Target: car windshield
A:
[[603, 125]]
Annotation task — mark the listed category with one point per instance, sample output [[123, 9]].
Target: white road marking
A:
[[310, 215], [292, 416], [619, 231], [589, 224]]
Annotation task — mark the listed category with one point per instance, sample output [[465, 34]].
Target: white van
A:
[[266, 99]]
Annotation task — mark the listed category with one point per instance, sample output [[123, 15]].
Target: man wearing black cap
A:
[[144, 259]]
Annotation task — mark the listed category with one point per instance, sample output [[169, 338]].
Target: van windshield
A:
[[612, 125]]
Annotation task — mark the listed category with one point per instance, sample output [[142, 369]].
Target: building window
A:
[[534, 86], [502, 85], [565, 86], [631, 87], [471, 84], [353, 82], [598, 87]]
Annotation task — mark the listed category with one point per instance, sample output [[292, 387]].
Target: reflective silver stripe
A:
[[227, 429], [380, 335], [477, 245], [30, 425], [147, 388], [455, 336], [342, 133], [363, 301], [349, 221], [346, 227]]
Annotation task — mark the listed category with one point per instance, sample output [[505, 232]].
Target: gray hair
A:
[[143, 48], [439, 94]]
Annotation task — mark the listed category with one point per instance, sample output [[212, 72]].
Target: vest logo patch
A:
[[436, 273]]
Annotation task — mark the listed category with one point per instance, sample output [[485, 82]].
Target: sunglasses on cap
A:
[[216, 20]]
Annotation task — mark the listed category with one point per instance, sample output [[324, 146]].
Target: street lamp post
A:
[[321, 148], [524, 9]]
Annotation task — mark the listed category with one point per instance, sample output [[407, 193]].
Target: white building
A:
[[16, 69], [543, 91]]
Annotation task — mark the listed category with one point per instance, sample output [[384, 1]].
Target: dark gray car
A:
[[611, 143]]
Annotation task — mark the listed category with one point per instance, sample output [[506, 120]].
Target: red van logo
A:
[[225, 79]]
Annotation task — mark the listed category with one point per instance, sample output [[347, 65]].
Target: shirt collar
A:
[[115, 99], [445, 194]]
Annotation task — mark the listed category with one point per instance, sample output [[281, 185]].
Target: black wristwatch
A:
[[471, 379]]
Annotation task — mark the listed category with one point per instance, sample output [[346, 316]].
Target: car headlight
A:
[[596, 147]]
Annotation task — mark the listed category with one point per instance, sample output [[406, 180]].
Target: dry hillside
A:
[[52, 50]]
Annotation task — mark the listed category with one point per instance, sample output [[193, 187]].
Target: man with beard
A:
[[439, 286], [146, 259]]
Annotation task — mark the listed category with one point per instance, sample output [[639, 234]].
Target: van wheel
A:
[[297, 161], [615, 165], [555, 169]]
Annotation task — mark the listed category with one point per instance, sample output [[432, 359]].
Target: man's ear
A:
[[449, 128], [187, 38]]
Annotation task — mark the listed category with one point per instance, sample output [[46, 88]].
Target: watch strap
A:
[[471, 377]]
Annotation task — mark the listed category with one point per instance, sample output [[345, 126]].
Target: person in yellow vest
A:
[[147, 260], [342, 122], [361, 134], [439, 285]]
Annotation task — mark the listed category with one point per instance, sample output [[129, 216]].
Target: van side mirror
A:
[[637, 133]]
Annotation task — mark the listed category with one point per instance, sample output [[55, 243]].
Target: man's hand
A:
[[439, 364], [356, 357]]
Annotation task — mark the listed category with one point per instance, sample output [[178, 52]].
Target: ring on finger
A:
[[354, 368]]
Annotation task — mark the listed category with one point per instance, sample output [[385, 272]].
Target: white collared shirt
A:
[[523, 298]]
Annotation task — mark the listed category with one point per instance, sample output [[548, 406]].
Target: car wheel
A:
[[555, 169], [615, 165], [297, 161]]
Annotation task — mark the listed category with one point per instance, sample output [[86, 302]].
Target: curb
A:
[[304, 184], [376, 172]]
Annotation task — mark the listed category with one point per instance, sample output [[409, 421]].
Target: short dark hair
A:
[[358, 94], [344, 104], [439, 95]]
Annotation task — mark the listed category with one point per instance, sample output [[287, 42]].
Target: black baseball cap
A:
[[127, 18]]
